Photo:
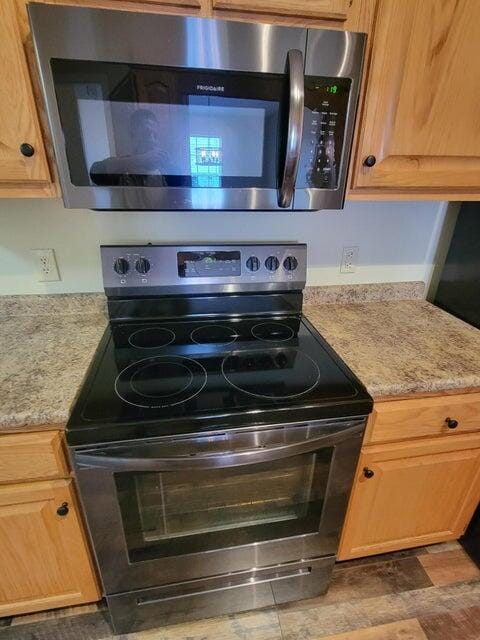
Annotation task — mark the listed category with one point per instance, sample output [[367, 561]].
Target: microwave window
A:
[[127, 125]]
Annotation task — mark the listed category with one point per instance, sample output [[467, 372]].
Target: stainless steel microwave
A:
[[157, 112]]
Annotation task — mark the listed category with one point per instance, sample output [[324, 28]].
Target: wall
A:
[[397, 240]]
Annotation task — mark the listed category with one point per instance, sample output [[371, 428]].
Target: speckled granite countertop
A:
[[43, 361], [399, 347], [394, 341]]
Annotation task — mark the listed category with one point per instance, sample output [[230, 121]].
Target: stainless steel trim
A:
[[233, 584], [295, 127], [209, 461]]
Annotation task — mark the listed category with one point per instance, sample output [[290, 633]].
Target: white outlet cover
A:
[[46, 265], [349, 260]]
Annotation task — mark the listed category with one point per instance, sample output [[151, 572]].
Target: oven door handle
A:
[[108, 459], [295, 127]]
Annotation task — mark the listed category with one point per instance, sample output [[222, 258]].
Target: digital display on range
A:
[[208, 264]]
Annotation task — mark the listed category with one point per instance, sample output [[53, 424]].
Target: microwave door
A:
[[294, 127]]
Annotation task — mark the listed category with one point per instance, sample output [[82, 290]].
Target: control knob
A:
[[253, 263], [121, 266], [142, 265], [290, 263], [272, 263]]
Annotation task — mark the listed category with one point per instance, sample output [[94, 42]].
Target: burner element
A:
[[276, 374], [151, 338], [213, 334], [273, 331], [161, 381]]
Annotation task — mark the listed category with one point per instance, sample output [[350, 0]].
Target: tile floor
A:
[[430, 593]]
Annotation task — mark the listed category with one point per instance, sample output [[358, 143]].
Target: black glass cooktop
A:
[[168, 377]]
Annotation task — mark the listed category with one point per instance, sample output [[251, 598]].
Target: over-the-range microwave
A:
[[159, 112]]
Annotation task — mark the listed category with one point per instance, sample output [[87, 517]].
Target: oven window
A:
[[143, 126], [178, 512]]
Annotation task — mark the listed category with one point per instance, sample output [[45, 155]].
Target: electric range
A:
[[216, 435]]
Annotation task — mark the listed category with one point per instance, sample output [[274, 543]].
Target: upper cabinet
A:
[[24, 169], [188, 7], [419, 132], [322, 9]]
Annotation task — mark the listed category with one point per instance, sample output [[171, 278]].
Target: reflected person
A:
[[144, 166]]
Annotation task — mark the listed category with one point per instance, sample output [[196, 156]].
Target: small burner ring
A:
[[230, 335], [166, 336]]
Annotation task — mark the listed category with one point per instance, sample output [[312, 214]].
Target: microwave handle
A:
[[115, 462], [295, 127]]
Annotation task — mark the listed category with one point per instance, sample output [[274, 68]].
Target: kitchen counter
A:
[[44, 360], [395, 346], [401, 347]]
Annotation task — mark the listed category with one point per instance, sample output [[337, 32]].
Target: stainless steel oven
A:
[[164, 112], [174, 520]]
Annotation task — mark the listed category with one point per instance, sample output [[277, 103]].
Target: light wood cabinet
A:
[[351, 15], [423, 417], [183, 7], [420, 493], [20, 175], [419, 490], [44, 554], [420, 117], [44, 559], [32, 456]]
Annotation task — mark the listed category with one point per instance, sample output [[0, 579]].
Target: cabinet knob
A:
[[368, 473], [369, 161], [451, 423], [63, 509], [27, 149]]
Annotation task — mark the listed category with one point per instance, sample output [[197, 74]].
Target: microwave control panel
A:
[[325, 115]]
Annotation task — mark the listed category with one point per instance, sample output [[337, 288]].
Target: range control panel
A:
[[168, 269]]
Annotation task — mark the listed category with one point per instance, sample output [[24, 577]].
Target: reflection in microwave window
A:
[[136, 144]]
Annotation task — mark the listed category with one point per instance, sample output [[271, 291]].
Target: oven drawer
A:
[[32, 456], [219, 595]]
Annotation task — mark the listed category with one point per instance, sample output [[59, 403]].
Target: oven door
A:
[[167, 510]]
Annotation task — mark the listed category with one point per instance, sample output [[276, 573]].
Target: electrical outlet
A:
[[349, 260], [46, 265]]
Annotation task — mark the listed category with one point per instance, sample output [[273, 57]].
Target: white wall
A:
[[397, 240]]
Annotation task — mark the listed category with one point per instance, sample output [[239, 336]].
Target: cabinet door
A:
[[187, 7], [418, 494], [421, 117], [44, 557], [19, 122], [322, 9]]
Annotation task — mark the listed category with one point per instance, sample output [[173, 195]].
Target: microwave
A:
[[162, 112]]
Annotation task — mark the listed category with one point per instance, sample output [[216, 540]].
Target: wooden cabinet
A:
[[418, 490], [423, 417], [45, 562], [44, 555], [352, 15], [20, 175], [183, 7], [420, 493], [420, 113]]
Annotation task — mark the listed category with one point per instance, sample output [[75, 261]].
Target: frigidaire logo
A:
[[209, 87]]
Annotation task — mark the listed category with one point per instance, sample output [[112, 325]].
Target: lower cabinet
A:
[[411, 494], [44, 558]]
